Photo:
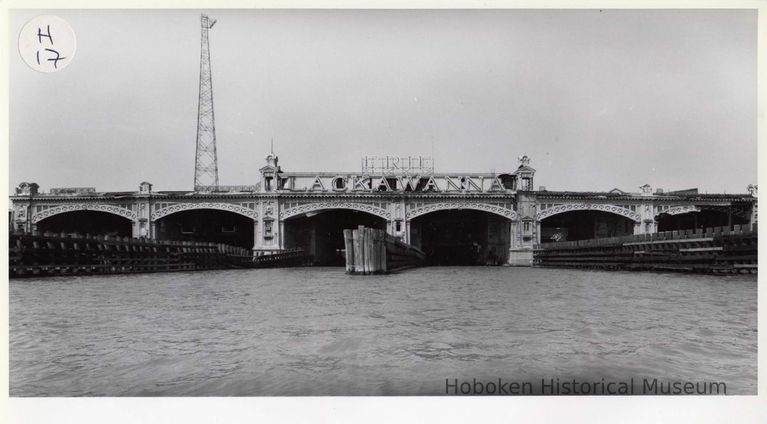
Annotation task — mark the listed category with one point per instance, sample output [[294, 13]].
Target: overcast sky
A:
[[597, 99]]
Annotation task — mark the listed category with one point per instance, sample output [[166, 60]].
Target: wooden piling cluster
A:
[[719, 250], [76, 254], [372, 251]]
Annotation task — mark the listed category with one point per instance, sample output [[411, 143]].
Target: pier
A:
[[720, 250], [75, 254]]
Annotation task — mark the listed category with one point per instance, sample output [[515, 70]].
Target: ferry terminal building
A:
[[455, 218]]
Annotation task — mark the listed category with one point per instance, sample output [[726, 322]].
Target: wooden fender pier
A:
[[75, 254], [719, 250], [372, 251]]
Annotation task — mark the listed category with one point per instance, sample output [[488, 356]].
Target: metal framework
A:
[[206, 161]]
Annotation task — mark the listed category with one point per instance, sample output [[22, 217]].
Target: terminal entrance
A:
[[87, 222], [321, 234], [461, 237], [206, 225], [584, 225]]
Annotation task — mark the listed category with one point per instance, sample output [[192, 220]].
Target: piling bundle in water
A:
[[372, 251]]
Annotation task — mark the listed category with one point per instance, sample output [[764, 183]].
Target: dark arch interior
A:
[[208, 225], [87, 222], [462, 237], [321, 233], [695, 220], [584, 225]]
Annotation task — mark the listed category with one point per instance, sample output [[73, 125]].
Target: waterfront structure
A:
[[455, 218]]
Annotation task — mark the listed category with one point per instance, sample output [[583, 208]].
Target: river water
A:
[[317, 331]]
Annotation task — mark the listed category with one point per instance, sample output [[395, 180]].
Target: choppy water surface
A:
[[317, 331]]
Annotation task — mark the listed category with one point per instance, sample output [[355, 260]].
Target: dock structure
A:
[[719, 250], [372, 251], [284, 258], [52, 254]]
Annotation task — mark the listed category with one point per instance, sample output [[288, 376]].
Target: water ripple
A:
[[320, 332]]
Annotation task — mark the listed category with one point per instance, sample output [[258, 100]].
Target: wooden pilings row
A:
[[372, 251], [73, 254], [652, 237], [283, 258], [720, 250]]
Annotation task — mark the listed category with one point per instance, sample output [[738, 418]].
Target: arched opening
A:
[[584, 225], [461, 237], [321, 233], [206, 225], [706, 218], [87, 222]]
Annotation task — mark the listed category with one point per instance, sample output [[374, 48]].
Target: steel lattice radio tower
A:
[[206, 161]]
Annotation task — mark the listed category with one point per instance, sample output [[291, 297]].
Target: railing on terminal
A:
[[58, 191], [661, 236], [228, 189]]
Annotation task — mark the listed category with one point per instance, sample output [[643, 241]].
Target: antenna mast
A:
[[206, 160]]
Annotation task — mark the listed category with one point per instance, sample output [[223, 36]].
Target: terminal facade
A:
[[455, 218]]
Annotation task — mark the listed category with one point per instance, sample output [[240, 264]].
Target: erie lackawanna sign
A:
[[440, 183]]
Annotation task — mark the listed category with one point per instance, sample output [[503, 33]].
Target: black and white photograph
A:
[[382, 202]]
